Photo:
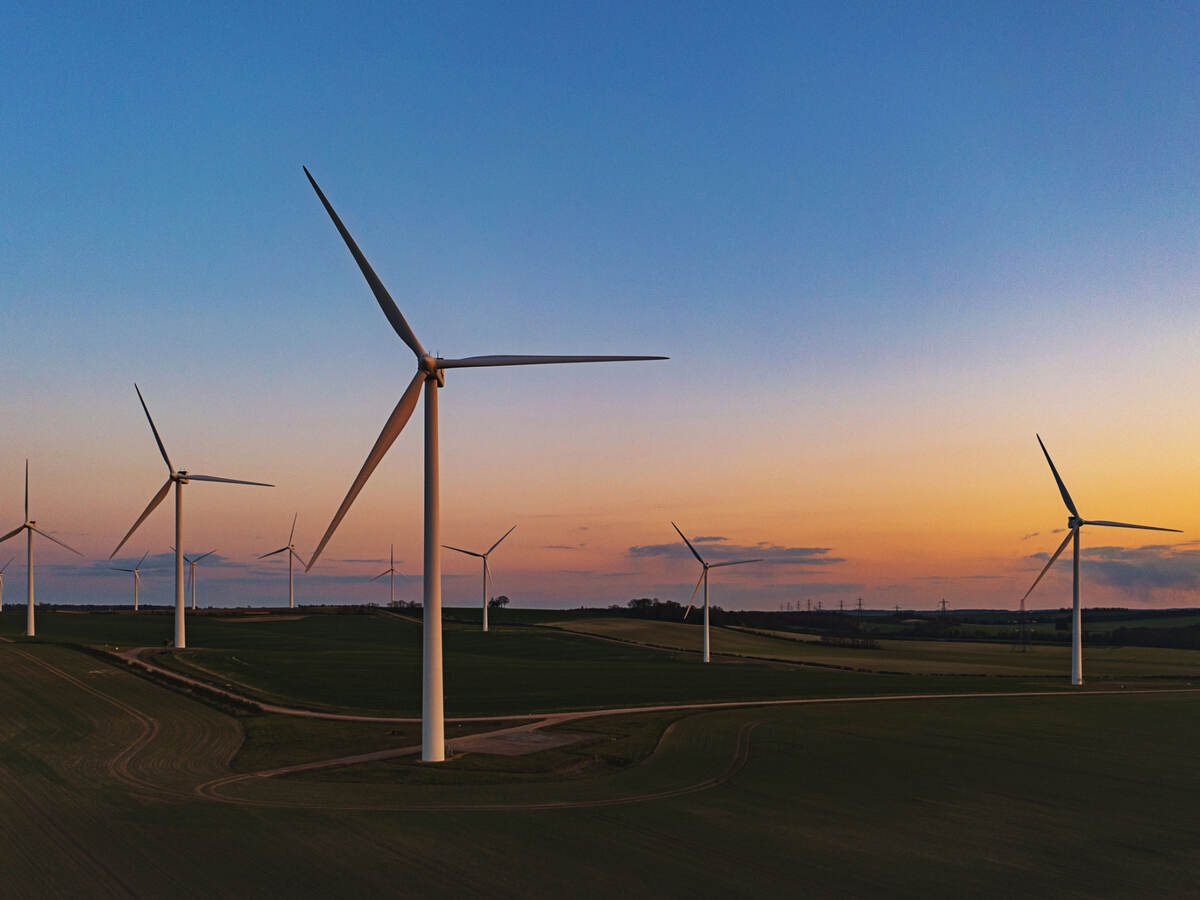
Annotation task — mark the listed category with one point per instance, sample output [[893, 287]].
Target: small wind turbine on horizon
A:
[[2, 570], [484, 556], [1074, 523], [179, 479], [192, 562], [137, 577], [391, 570], [29, 527], [290, 549], [430, 376], [704, 580]]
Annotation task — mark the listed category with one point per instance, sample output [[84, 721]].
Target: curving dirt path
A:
[[212, 790]]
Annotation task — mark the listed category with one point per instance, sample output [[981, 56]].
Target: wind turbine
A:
[[1074, 523], [179, 479], [704, 580], [6, 565], [484, 557], [29, 527], [391, 570], [137, 578], [430, 375], [192, 563], [290, 549]]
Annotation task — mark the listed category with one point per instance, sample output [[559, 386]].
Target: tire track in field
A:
[[741, 755], [50, 824], [119, 766]]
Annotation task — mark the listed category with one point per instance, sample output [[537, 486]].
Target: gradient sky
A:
[[883, 244]]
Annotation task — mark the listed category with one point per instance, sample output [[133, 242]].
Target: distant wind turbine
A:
[[137, 578], [290, 549], [431, 371], [192, 562], [179, 479], [704, 580], [391, 570], [484, 557], [1074, 523], [29, 527], [6, 565]]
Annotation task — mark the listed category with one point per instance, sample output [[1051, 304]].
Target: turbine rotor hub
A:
[[1074, 522]]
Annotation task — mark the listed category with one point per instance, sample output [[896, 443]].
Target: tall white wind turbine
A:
[[179, 479], [29, 527], [137, 578], [484, 556], [290, 549], [391, 570], [704, 580], [430, 376], [1074, 523], [192, 562], [2, 570]]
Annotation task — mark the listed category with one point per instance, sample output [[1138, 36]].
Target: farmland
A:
[[118, 785]]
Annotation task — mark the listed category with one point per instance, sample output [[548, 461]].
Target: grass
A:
[[370, 664], [902, 656], [1059, 796]]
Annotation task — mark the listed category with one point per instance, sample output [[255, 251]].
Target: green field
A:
[[108, 790], [901, 656]]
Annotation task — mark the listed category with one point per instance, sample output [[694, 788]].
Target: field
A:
[[114, 785]]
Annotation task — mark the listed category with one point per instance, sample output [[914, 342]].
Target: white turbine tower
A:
[[704, 580], [484, 556], [29, 527], [137, 578], [1074, 523], [391, 570], [430, 376], [6, 565], [179, 479], [290, 549], [192, 563]]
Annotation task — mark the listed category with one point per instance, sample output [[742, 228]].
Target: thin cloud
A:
[[772, 554]]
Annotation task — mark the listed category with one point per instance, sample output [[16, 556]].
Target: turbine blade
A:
[[12, 533], [292, 533], [460, 550], [497, 544], [202, 555], [736, 562], [116, 569], [1062, 488], [56, 540], [689, 544], [477, 362], [227, 480], [26, 490], [382, 297], [391, 430], [7, 564], [381, 574], [1061, 548], [1127, 525], [296, 555], [693, 597], [157, 499], [157, 439], [273, 552], [142, 560]]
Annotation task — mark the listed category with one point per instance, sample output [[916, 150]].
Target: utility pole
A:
[[860, 608]]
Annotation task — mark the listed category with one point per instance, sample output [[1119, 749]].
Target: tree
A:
[[498, 602]]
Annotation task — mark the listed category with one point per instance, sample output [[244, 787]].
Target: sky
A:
[[882, 244]]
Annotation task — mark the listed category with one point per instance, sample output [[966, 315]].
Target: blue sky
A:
[[848, 224]]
